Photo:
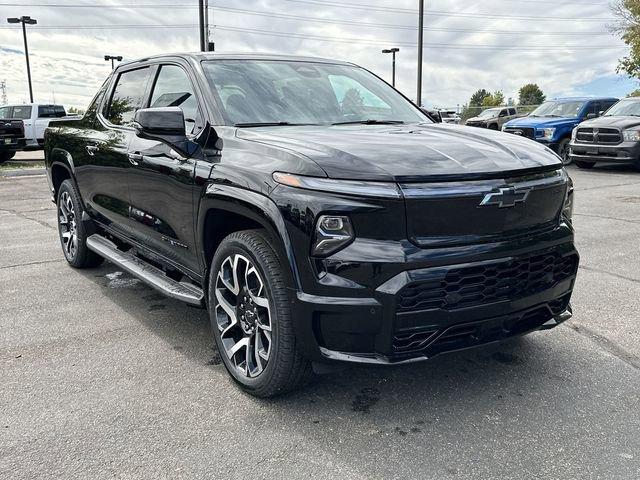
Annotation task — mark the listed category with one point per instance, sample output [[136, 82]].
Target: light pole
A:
[[393, 51], [112, 58], [420, 47], [24, 20]]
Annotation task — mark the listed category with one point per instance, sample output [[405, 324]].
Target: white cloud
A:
[[68, 63]]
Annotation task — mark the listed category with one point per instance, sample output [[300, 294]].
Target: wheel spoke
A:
[[242, 343], [227, 307]]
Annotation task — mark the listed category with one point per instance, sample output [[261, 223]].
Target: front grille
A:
[[491, 282], [601, 136], [523, 132]]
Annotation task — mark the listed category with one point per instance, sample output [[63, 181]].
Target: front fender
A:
[[254, 206]]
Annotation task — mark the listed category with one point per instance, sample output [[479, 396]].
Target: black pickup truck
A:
[[11, 138], [316, 213]]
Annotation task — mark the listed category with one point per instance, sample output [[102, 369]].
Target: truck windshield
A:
[[624, 108], [492, 112], [558, 109], [269, 92]]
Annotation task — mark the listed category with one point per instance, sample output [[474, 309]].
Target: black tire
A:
[[493, 126], [286, 369], [564, 150], [4, 156], [585, 165], [80, 256]]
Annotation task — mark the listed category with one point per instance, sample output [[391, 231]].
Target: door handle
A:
[[91, 149], [134, 158]]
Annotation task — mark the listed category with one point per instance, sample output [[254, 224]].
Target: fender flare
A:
[[254, 206], [60, 158]]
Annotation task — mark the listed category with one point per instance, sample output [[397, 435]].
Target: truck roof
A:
[[582, 99], [238, 56]]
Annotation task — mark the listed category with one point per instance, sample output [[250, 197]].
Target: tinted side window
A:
[[173, 89], [50, 111], [608, 104], [128, 96], [512, 111], [5, 112]]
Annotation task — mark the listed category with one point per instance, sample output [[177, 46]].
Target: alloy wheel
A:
[[243, 315], [68, 225]]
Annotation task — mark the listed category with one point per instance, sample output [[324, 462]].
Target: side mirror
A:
[[164, 123], [434, 116], [600, 113], [591, 116]]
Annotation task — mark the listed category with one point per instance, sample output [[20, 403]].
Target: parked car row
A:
[[581, 129], [22, 126]]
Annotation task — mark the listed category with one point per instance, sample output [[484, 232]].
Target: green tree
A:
[[531, 94], [635, 93], [628, 27], [477, 99], [496, 99]]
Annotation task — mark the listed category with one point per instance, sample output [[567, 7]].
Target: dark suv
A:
[[314, 211]]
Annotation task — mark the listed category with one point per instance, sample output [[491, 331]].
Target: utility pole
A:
[[393, 51], [206, 26], [420, 47], [203, 46], [25, 20]]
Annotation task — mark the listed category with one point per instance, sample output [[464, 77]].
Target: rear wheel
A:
[[493, 126], [73, 236], [4, 156], [251, 317], [563, 151], [585, 165]]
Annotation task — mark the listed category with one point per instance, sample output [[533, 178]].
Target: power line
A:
[[325, 4], [413, 44]]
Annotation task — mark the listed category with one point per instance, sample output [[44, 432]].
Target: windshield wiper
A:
[[371, 122], [270, 124]]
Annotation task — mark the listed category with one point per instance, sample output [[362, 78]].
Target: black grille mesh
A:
[[477, 285]]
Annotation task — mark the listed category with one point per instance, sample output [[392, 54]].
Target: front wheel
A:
[[564, 150], [585, 165], [73, 236], [4, 156], [251, 316]]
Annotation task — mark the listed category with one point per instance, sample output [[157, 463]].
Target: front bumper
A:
[[625, 152], [464, 304]]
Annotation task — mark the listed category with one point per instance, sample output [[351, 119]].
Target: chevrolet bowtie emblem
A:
[[505, 197]]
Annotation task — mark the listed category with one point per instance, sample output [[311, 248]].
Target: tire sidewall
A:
[[228, 248], [68, 187], [564, 145]]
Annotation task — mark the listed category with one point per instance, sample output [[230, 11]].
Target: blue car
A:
[[552, 122]]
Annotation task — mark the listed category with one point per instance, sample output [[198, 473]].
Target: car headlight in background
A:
[[631, 135], [332, 233], [548, 133], [574, 134]]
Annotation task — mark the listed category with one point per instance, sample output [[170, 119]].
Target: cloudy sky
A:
[[563, 45]]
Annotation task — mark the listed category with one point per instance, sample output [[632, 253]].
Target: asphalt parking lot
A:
[[104, 378]]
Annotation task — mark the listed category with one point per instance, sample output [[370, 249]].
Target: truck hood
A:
[[540, 122], [407, 152], [480, 119], [613, 122]]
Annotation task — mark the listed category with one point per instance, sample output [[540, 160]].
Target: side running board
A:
[[146, 272]]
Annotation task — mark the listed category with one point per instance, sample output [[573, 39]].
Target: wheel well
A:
[[219, 224], [58, 175]]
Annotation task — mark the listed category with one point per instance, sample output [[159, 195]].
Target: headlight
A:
[[332, 233], [574, 134], [504, 127], [348, 187], [567, 210], [632, 135], [548, 133]]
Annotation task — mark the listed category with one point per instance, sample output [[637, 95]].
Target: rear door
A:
[[101, 162], [162, 181]]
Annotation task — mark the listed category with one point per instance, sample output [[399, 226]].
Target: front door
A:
[[162, 185], [102, 164]]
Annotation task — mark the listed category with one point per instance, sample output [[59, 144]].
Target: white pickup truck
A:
[[36, 118]]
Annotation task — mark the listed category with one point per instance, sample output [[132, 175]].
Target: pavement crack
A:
[[26, 217], [42, 262], [617, 219], [606, 186], [597, 270], [607, 345]]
